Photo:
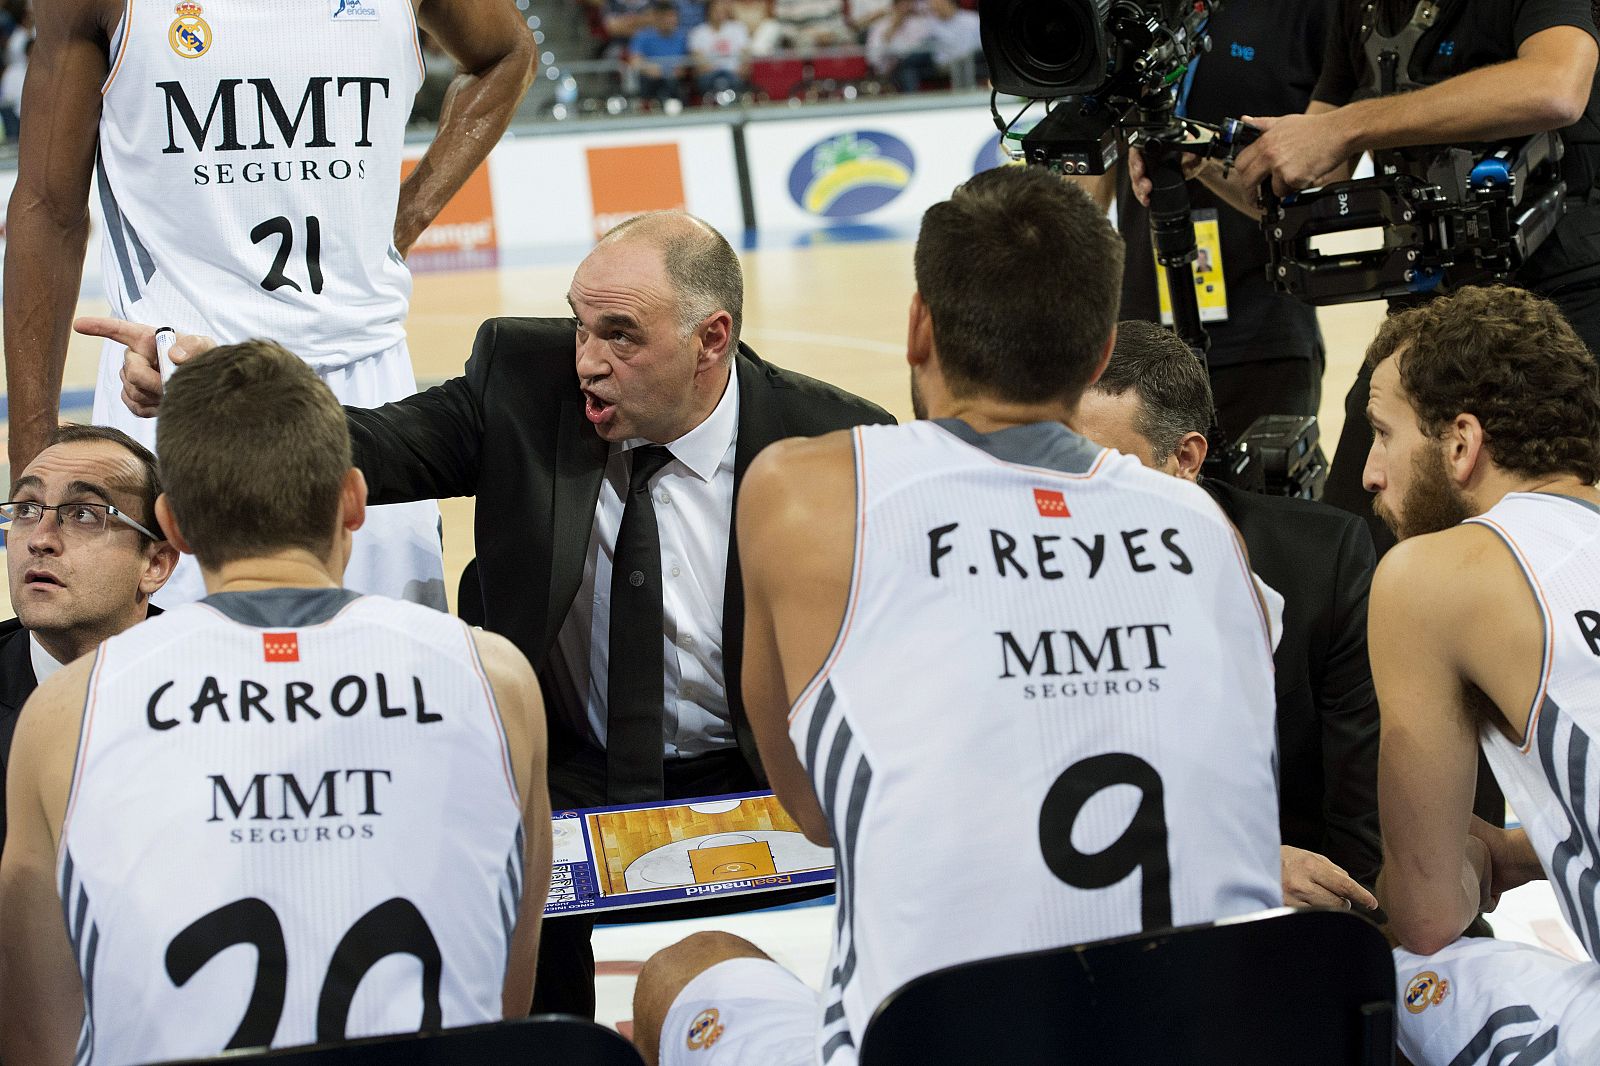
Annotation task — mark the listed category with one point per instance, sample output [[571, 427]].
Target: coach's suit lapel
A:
[[760, 424], [580, 468]]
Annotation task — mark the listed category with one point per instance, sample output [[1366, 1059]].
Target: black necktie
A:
[[635, 685]]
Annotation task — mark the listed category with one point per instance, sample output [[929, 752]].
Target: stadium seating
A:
[[547, 1040], [1309, 987]]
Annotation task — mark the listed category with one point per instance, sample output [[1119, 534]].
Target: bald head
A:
[[701, 266]]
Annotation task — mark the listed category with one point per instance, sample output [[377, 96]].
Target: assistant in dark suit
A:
[[17, 683], [1320, 559], [512, 432]]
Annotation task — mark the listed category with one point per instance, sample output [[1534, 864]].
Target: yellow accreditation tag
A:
[[1210, 290]]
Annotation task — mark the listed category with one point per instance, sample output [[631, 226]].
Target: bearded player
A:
[[1485, 629]]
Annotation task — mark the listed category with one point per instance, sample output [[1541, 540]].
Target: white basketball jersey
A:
[[249, 169], [1048, 717], [334, 794], [1553, 778]]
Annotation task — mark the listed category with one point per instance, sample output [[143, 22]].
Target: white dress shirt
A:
[[44, 664], [693, 497]]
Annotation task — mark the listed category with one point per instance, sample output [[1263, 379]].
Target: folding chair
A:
[[546, 1040], [1300, 987]]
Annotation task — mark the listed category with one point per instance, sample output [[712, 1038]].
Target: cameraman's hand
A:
[[1294, 151], [1140, 180]]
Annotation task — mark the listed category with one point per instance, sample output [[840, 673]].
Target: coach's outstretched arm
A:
[[47, 224], [495, 51]]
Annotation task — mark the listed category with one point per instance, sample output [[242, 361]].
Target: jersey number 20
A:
[[394, 927], [1142, 846]]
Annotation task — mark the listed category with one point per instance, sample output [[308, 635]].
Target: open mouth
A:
[[598, 411], [39, 578]]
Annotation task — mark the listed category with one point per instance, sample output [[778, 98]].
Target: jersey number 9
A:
[[1142, 846]]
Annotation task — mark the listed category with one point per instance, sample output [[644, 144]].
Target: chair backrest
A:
[[546, 1040], [1309, 987]]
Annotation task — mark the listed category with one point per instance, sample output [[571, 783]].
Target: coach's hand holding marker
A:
[[150, 357]]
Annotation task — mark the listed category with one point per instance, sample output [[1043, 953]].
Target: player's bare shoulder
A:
[[48, 730], [802, 472]]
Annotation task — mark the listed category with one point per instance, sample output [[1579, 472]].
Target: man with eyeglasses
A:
[[84, 555]]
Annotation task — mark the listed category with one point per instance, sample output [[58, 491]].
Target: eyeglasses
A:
[[82, 518]]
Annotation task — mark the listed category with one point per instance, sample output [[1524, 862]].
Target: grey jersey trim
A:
[[1050, 445], [282, 608], [1595, 507]]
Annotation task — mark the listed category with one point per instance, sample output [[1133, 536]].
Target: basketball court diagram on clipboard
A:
[[633, 856]]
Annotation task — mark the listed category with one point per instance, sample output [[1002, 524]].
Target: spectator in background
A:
[[81, 573], [621, 19], [721, 50], [766, 35], [807, 25], [864, 14], [957, 44], [658, 52], [900, 46]]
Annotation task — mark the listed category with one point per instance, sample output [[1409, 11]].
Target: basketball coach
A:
[[605, 489]]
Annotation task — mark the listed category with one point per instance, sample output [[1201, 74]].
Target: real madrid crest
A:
[[189, 35]]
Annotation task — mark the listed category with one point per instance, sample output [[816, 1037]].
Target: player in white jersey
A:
[[1020, 682], [352, 786], [247, 161], [1484, 630]]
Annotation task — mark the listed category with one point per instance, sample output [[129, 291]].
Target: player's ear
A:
[[1190, 455], [158, 567], [1464, 447], [353, 500], [169, 524], [919, 332]]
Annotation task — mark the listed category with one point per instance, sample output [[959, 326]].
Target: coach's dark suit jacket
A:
[[1321, 560], [511, 431], [16, 685]]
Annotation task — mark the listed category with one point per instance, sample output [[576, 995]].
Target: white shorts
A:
[[1485, 1001], [743, 1012], [397, 553]]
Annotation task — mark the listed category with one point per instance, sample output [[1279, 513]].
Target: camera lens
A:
[[1045, 48]]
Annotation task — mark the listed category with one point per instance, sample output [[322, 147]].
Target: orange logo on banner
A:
[[633, 179], [466, 225]]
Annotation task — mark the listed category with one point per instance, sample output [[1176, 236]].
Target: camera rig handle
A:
[[1471, 216]]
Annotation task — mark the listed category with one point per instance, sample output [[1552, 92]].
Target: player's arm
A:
[[47, 224], [1546, 87], [516, 693], [1435, 873], [796, 525], [495, 51], [41, 994]]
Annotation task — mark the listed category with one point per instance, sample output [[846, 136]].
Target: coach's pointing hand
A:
[[141, 367], [1310, 880]]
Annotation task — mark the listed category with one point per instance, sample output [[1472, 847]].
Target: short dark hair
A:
[[1510, 359], [254, 450], [1171, 382], [1022, 274], [148, 488]]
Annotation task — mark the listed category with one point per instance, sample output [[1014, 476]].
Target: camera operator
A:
[[1462, 73], [1153, 402], [1266, 355]]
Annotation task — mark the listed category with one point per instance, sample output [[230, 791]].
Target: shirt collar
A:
[[703, 448], [44, 664]]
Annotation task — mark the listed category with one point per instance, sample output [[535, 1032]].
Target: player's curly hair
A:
[[1510, 359]]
